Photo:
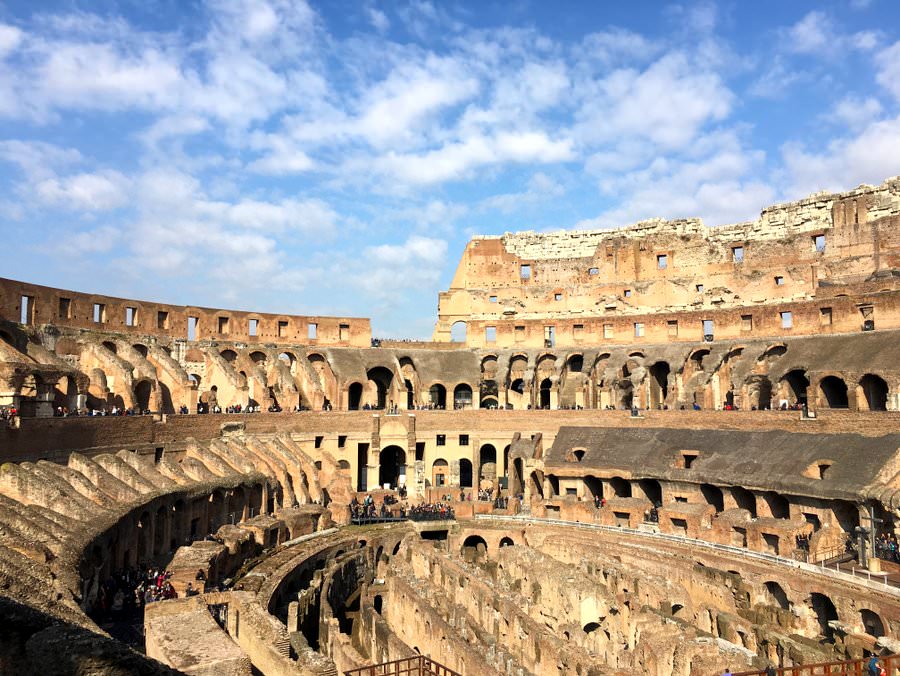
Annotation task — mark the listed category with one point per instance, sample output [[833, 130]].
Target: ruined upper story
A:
[[842, 244], [35, 305]]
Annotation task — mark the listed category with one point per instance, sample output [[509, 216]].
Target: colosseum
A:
[[663, 449]]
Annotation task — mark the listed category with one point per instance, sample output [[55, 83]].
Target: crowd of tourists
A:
[[886, 548], [431, 511], [8, 414], [130, 590], [64, 412]]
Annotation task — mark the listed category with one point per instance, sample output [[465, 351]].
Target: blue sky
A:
[[335, 157]]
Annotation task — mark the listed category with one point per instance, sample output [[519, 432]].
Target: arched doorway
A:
[[659, 383], [834, 392], [465, 473], [382, 377], [410, 395], [621, 487], [825, 612], [713, 496], [437, 394], [797, 384], [487, 459], [354, 396], [440, 472], [392, 467], [874, 391], [462, 396], [458, 332], [142, 395], [546, 386]]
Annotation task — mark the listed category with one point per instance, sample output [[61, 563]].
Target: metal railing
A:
[[883, 586], [891, 664], [408, 666]]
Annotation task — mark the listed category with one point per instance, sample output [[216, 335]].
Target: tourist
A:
[[770, 670]]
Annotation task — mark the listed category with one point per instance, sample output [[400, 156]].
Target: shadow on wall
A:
[[33, 642]]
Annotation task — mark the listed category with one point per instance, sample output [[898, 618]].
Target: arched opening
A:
[[437, 394], [590, 627], [621, 488], [518, 385], [142, 393], [546, 386], [377, 603], [354, 396], [576, 363], [825, 612], [476, 543], [410, 395], [871, 622], [537, 484], [66, 393], [141, 349], [343, 464], [111, 346], [779, 506], [506, 542], [744, 499], [229, 355], [834, 392], [489, 402], [713, 496], [258, 357], [652, 490], [659, 383], [487, 458], [440, 472], [489, 390], [8, 339], [465, 473], [594, 487], [759, 392], [462, 396], [458, 332], [382, 377], [776, 596], [391, 467], [797, 385], [874, 391]]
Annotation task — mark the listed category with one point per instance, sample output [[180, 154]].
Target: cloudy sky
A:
[[334, 157]]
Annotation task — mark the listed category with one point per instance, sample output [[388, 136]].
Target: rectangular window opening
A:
[[344, 332], [746, 322], [65, 308], [825, 316], [193, 326], [607, 330], [737, 254], [492, 299], [708, 329], [627, 293], [130, 316], [440, 440], [638, 330], [672, 325], [162, 320], [578, 331], [557, 296], [593, 271], [99, 313], [787, 320], [253, 327], [700, 288], [520, 334], [868, 317], [819, 243], [525, 272], [463, 439], [223, 325], [27, 307], [319, 441], [779, 280], [312, 331], [490, 334], [549, 336], [342, 440], [282, 329], [662, 261]]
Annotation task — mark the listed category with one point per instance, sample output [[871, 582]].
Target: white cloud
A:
[[777, 80], [617, 46], [540, 188], [10, 39], [867, 157], [816, 34], [378, 19], [38, 159], [888, 74], [310, 216], [100, 191], [855, 113]]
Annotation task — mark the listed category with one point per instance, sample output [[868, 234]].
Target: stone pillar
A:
[[293, 616], [454, 473], [418, 486]]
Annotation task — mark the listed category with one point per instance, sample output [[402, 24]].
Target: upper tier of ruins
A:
[[661, 280]]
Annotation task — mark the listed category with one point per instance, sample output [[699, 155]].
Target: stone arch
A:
[[462, 396], [229, 355], [383, 379], [575, 362], [343, 465], [825, 612], [659, 383], [759, 392], [392, 467], [476, 543], [545, 389], [795, 385], [873, 393], [487, 459], [143, 391], [458, 332], [652, 489], [440, 472], [776, 596], [111, 346], [621, 487], [871, 622], [506, 541], [465, 473], [833, 392], [744, 499], [354, 396], [713, 496], [437, 394], [258, 357], [489, 367], [141, 349]]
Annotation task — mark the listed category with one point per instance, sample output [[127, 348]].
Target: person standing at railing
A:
[[874, 669], [770, 670]]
